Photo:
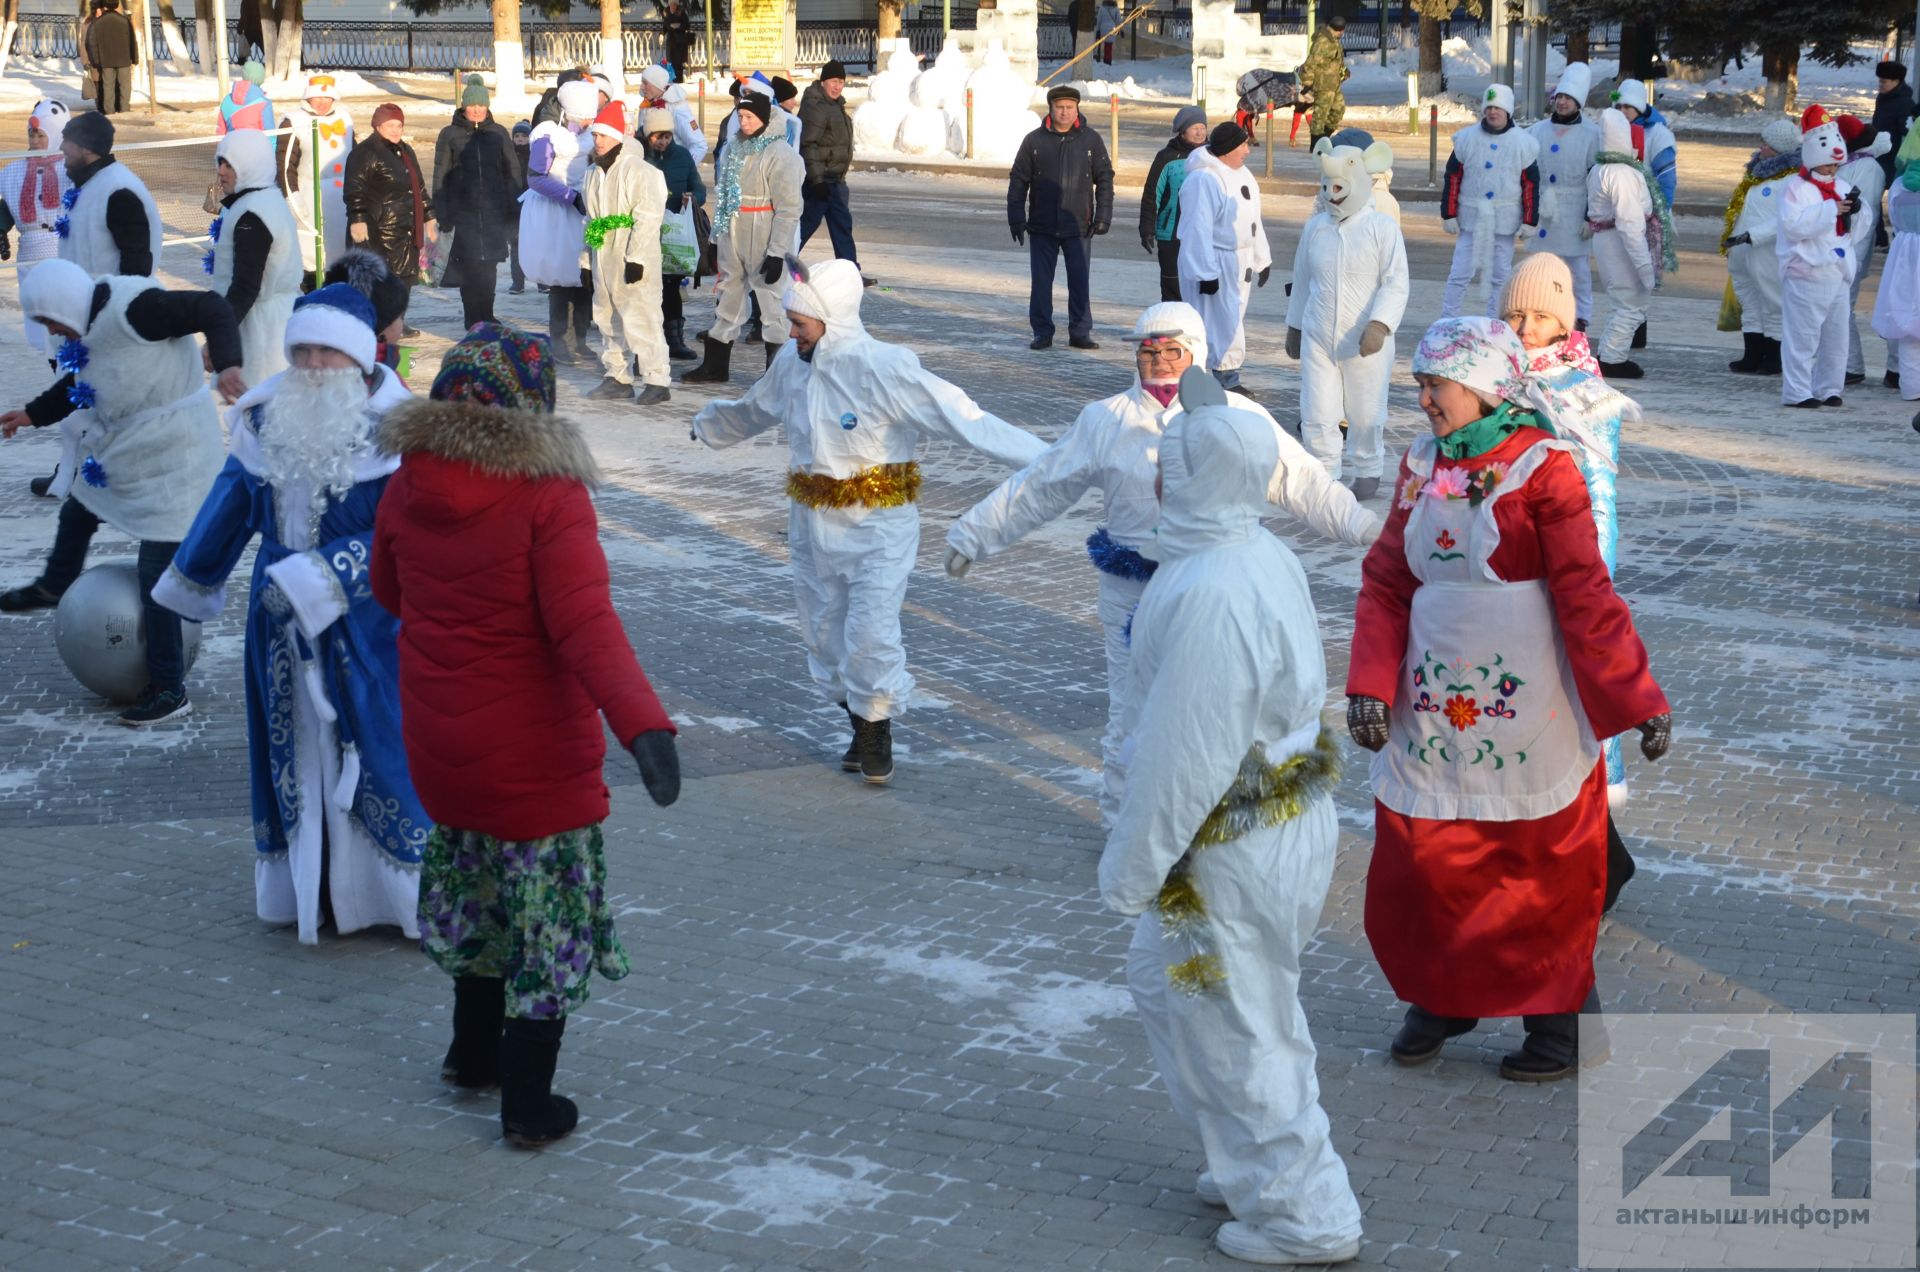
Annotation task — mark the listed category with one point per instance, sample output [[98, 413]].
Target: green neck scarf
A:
[[1488, 432]]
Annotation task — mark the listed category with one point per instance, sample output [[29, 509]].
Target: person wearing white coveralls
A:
[[1815, 252], [1618, 199], [1490, 192], [1567, 141], [1224, 253], [855, 410], [1349, 293], [1227, 684], [626, 264], [1114, 446], [1752, 267], [1863, 172]]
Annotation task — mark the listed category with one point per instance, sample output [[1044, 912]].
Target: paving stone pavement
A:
[[886, 1028]]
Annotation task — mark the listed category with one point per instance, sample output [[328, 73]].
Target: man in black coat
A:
[[826, 144], [677, 24], [1059, 195], [1892, 110], [113, 52], [476, 187]]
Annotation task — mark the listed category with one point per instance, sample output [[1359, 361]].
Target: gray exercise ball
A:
[[99, 632]]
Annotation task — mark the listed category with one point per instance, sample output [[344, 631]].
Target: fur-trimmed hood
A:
[[500, 443]]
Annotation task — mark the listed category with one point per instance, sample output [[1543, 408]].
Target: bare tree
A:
[[9, 26]]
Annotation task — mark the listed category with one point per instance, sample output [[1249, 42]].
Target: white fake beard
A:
[[316, 429]]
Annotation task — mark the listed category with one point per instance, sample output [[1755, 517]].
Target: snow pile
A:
[[924, 113], [1001, 118], [876, 125]]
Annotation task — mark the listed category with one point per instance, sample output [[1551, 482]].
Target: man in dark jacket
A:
[[677, 25], [826, 144], [476, 186], [1059, 195], [114, 52], [522, 153], [682, 175], [1892, 110], [387, 205]]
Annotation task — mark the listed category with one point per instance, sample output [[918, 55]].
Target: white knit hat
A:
[[1632, 92], [1576, 82], [1500, 95], [1172, 319], [578, 100], [657, 75], [656, 121], [58, 291], [1781, 136]]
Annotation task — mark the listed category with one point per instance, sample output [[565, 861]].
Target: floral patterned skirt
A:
[[531, 912]]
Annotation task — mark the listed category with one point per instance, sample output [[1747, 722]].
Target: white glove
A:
[[1649, 280], [1451, 225], [1586, 229], [958, 563]]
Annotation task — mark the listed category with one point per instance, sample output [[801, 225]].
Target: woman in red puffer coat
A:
[[487, 548]]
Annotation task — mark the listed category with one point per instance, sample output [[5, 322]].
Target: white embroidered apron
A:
[[1487, 724]]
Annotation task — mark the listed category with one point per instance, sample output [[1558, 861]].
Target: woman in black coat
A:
[[476, 186], [388, 209]]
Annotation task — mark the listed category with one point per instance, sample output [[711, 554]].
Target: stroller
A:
[[1262, 92]]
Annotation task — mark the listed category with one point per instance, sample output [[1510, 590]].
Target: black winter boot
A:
[[773, 351], [714, 368], [1620, 867], [1640, 336], [874, 739], [850, 761], [1749, 360], [530, 1113], [1769, 356], [677, 341], [1423, 1034], [479, 1010]]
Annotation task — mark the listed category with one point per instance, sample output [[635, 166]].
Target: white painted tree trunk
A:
[[509, 55]]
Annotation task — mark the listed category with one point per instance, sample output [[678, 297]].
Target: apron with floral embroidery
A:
[[1487, 724]]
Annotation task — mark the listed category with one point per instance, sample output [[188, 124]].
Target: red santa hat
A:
[[611, 121], [1820, 139], [1862, 137]]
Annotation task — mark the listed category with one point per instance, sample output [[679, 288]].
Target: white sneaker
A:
[[1249, 1244], [1206, 1190]]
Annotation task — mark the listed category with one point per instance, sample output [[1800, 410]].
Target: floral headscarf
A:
[[1482, 353]]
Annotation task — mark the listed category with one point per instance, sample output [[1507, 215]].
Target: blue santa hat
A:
[[338, 317]]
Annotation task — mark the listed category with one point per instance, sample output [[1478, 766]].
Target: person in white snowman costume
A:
[[1490, 195], [1225, 839], [855, 410], [1224, 253], [553, 220], [318, 114], [1349, 293], [1568, 141], [1113, 446]]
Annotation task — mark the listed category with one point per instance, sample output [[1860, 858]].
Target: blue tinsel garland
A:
[[72, 357], [92, 473], [1112, 558], [80, 393], [70, 197], [206, 262], [213, 228], [62, 224]]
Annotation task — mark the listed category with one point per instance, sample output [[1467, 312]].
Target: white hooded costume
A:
[[1487, 197], [1817, 265], [1114, 446], [1863, 172], [1223, 242], [686, 126], [1752, 267], [1349, 271], [1619, 201], [1225, 840], [1566, 156], [552, 252], [854, 415], [335, 131], [628, 314], [249, 152], [1896, 305], [31, 189]]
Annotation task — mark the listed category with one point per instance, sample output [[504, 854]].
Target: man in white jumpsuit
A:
[[1863, 172], [1490, 192], [1224, 253], [1620, 205], [1816, 255], [1752, 267], [319, 113], [626, 200], [1225, 840], [1349, 293], [854, 410], [657, 90], [1567, 142], [1114, 446]]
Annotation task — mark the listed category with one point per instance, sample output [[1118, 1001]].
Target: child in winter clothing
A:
[[1817, 263], [1492, 189], [246, 104], [1632, 240], [486, 546]]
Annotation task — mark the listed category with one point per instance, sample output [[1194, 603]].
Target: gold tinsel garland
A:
[[882, 486], [1262, 795]]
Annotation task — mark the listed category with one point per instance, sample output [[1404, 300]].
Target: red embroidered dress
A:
[[1489, 624]]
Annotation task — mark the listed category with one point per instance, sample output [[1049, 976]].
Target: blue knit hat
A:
[[497, 364], [335, 317]]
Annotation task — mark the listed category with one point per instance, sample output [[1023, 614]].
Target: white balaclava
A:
[[579, 102], [249, 152], [1216, 461], [50, 117], [1616, 134], [58, 291], [829, 291]]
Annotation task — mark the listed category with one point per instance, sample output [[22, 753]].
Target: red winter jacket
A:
[[487, 548]]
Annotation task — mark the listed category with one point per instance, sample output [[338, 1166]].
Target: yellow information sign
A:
[[760, 34]]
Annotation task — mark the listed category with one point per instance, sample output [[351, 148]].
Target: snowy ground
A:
[[886, 1029]]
